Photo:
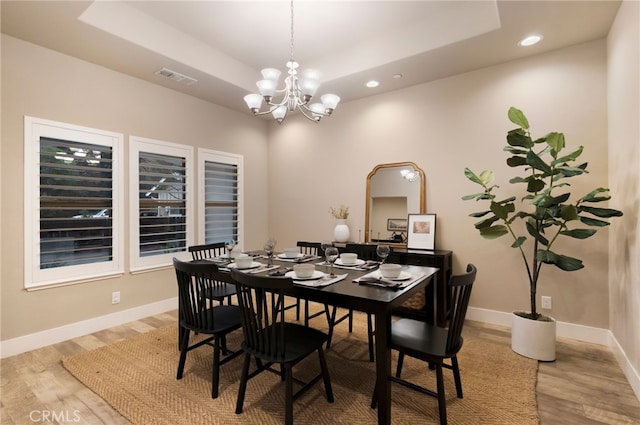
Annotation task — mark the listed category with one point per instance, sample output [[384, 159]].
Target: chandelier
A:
[[296, 93]]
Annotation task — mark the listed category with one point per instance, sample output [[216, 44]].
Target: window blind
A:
[[162, 204], [221, 202], [76, 203]]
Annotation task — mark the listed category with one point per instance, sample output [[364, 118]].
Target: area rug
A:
[[137, 377]]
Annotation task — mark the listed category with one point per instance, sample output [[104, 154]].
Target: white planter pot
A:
[[341, 231], [535, 339]]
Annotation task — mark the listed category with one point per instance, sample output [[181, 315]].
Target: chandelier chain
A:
[[291, 9]]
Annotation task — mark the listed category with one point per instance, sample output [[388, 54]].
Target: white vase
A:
[[535, 339], [341, 231]]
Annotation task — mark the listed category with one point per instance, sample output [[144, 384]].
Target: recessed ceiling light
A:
[[397, 76], [530, 40], [372, 83]]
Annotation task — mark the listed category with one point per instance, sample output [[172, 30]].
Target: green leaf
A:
[[487, 177], [519, 180], [473, 196], [569, 213], [483, 224], [601, 212], [494, 232], [517, 117], [545, 201], [592, 196], [536, 162], [472, 176], [555, 142], [518, 138], [570, 157], [516, 151], [569, 171], [479, 214], [516, 161], [535, 185], [501, 211], [518, 242], [561, 261], [537, 235], [579, 233], [593, 222]]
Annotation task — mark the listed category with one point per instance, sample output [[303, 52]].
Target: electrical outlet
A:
[[546, 302], [115, 297]]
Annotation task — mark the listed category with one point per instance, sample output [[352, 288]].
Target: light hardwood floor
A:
[[583, 386]]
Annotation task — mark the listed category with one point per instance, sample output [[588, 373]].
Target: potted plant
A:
[[549, 213]]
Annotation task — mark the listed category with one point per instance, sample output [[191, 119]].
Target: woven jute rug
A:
[[138, 378]]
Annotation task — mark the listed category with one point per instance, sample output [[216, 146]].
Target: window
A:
[[220, 200], [161, 195], [73, 200]]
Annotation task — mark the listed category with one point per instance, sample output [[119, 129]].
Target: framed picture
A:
[[421, 231], [397, 224]]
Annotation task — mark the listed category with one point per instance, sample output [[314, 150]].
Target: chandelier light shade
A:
[[296, 93]]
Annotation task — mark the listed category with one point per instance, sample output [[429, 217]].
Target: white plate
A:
[[358, 262], [317, 274], [402, 276], [252, 266], [284, 257]]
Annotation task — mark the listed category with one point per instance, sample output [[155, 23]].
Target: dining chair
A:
[[271, 340], [198, 315], [434, 344], [220, 290]]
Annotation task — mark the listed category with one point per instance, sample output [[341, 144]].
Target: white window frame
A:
[[208, 155], [141, 144], [34, 277]]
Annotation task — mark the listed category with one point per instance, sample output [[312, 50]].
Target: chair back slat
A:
[[460, 290], [195, 282], [261, 301], [310, 248], [200, 252]]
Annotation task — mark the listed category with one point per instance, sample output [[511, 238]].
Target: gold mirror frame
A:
[[368, 200]]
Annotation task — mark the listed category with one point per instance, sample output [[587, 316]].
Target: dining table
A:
[[369, 296]]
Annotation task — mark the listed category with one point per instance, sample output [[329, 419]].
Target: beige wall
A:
[[45, 84], [624, 176], [444, 126]]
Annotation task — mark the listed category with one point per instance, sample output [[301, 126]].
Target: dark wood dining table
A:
[[377, 301], [369, 299]]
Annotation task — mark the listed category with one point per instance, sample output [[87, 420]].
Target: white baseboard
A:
[[573, 331], [36, 340]]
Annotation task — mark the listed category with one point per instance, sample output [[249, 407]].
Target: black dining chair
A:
[[220, 290], [271, 340], [434, 344], [197, 314]]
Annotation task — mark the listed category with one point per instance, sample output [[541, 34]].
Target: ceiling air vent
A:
[[175, 76]]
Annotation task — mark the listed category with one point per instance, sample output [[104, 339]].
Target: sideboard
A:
[[422, 309]]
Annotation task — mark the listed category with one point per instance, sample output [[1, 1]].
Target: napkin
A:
[[375, 279], [303, 259], [324, 281]]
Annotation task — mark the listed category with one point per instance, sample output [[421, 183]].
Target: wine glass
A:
[[383, 252], [269, 248], [324, 245], [331, 254], [230, 245]]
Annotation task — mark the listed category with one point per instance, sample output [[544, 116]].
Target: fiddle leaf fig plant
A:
[[548, 210]]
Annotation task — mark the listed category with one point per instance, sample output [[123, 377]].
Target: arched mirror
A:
[[393, 191]]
